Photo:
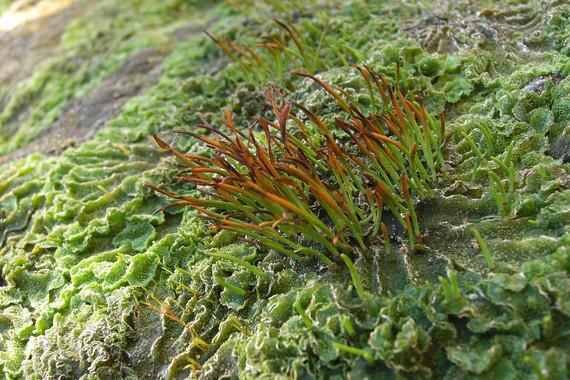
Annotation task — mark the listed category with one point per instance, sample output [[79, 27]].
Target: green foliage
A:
[[413, 332], [277, 57], [269, 189], [77, 238], [85, 60]]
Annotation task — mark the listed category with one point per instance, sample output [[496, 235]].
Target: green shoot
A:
[[487, 133], [547, 326], [230, 287], [512, 179], [238, 325], [165, 310], [386, 239], [277, 54], [236, 260], [447, 294], [193, 365], [501, 164], [410, 232], [500, 195], [303, 315], [509, 152], [473, 146], [509, 170], [354, 275], [454, 284], [485, 249], [355, 351], [534, 367], [195, 293], [348, 325]]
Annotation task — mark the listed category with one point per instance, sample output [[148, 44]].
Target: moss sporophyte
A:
[[266, 186], [276, 56]]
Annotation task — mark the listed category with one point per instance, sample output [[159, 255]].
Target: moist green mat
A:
[[93, 285]]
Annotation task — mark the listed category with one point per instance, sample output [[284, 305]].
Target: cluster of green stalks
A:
[[282, 52], [257, 9], [292, 180], [503, 195]]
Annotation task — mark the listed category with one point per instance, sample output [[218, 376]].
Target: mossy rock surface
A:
[[94, 285]]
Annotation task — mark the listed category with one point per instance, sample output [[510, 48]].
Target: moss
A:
[[77, 238]]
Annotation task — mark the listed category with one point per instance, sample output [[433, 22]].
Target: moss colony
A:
[[94, 285]]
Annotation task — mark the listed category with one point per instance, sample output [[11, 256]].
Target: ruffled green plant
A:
[[266, 186]]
